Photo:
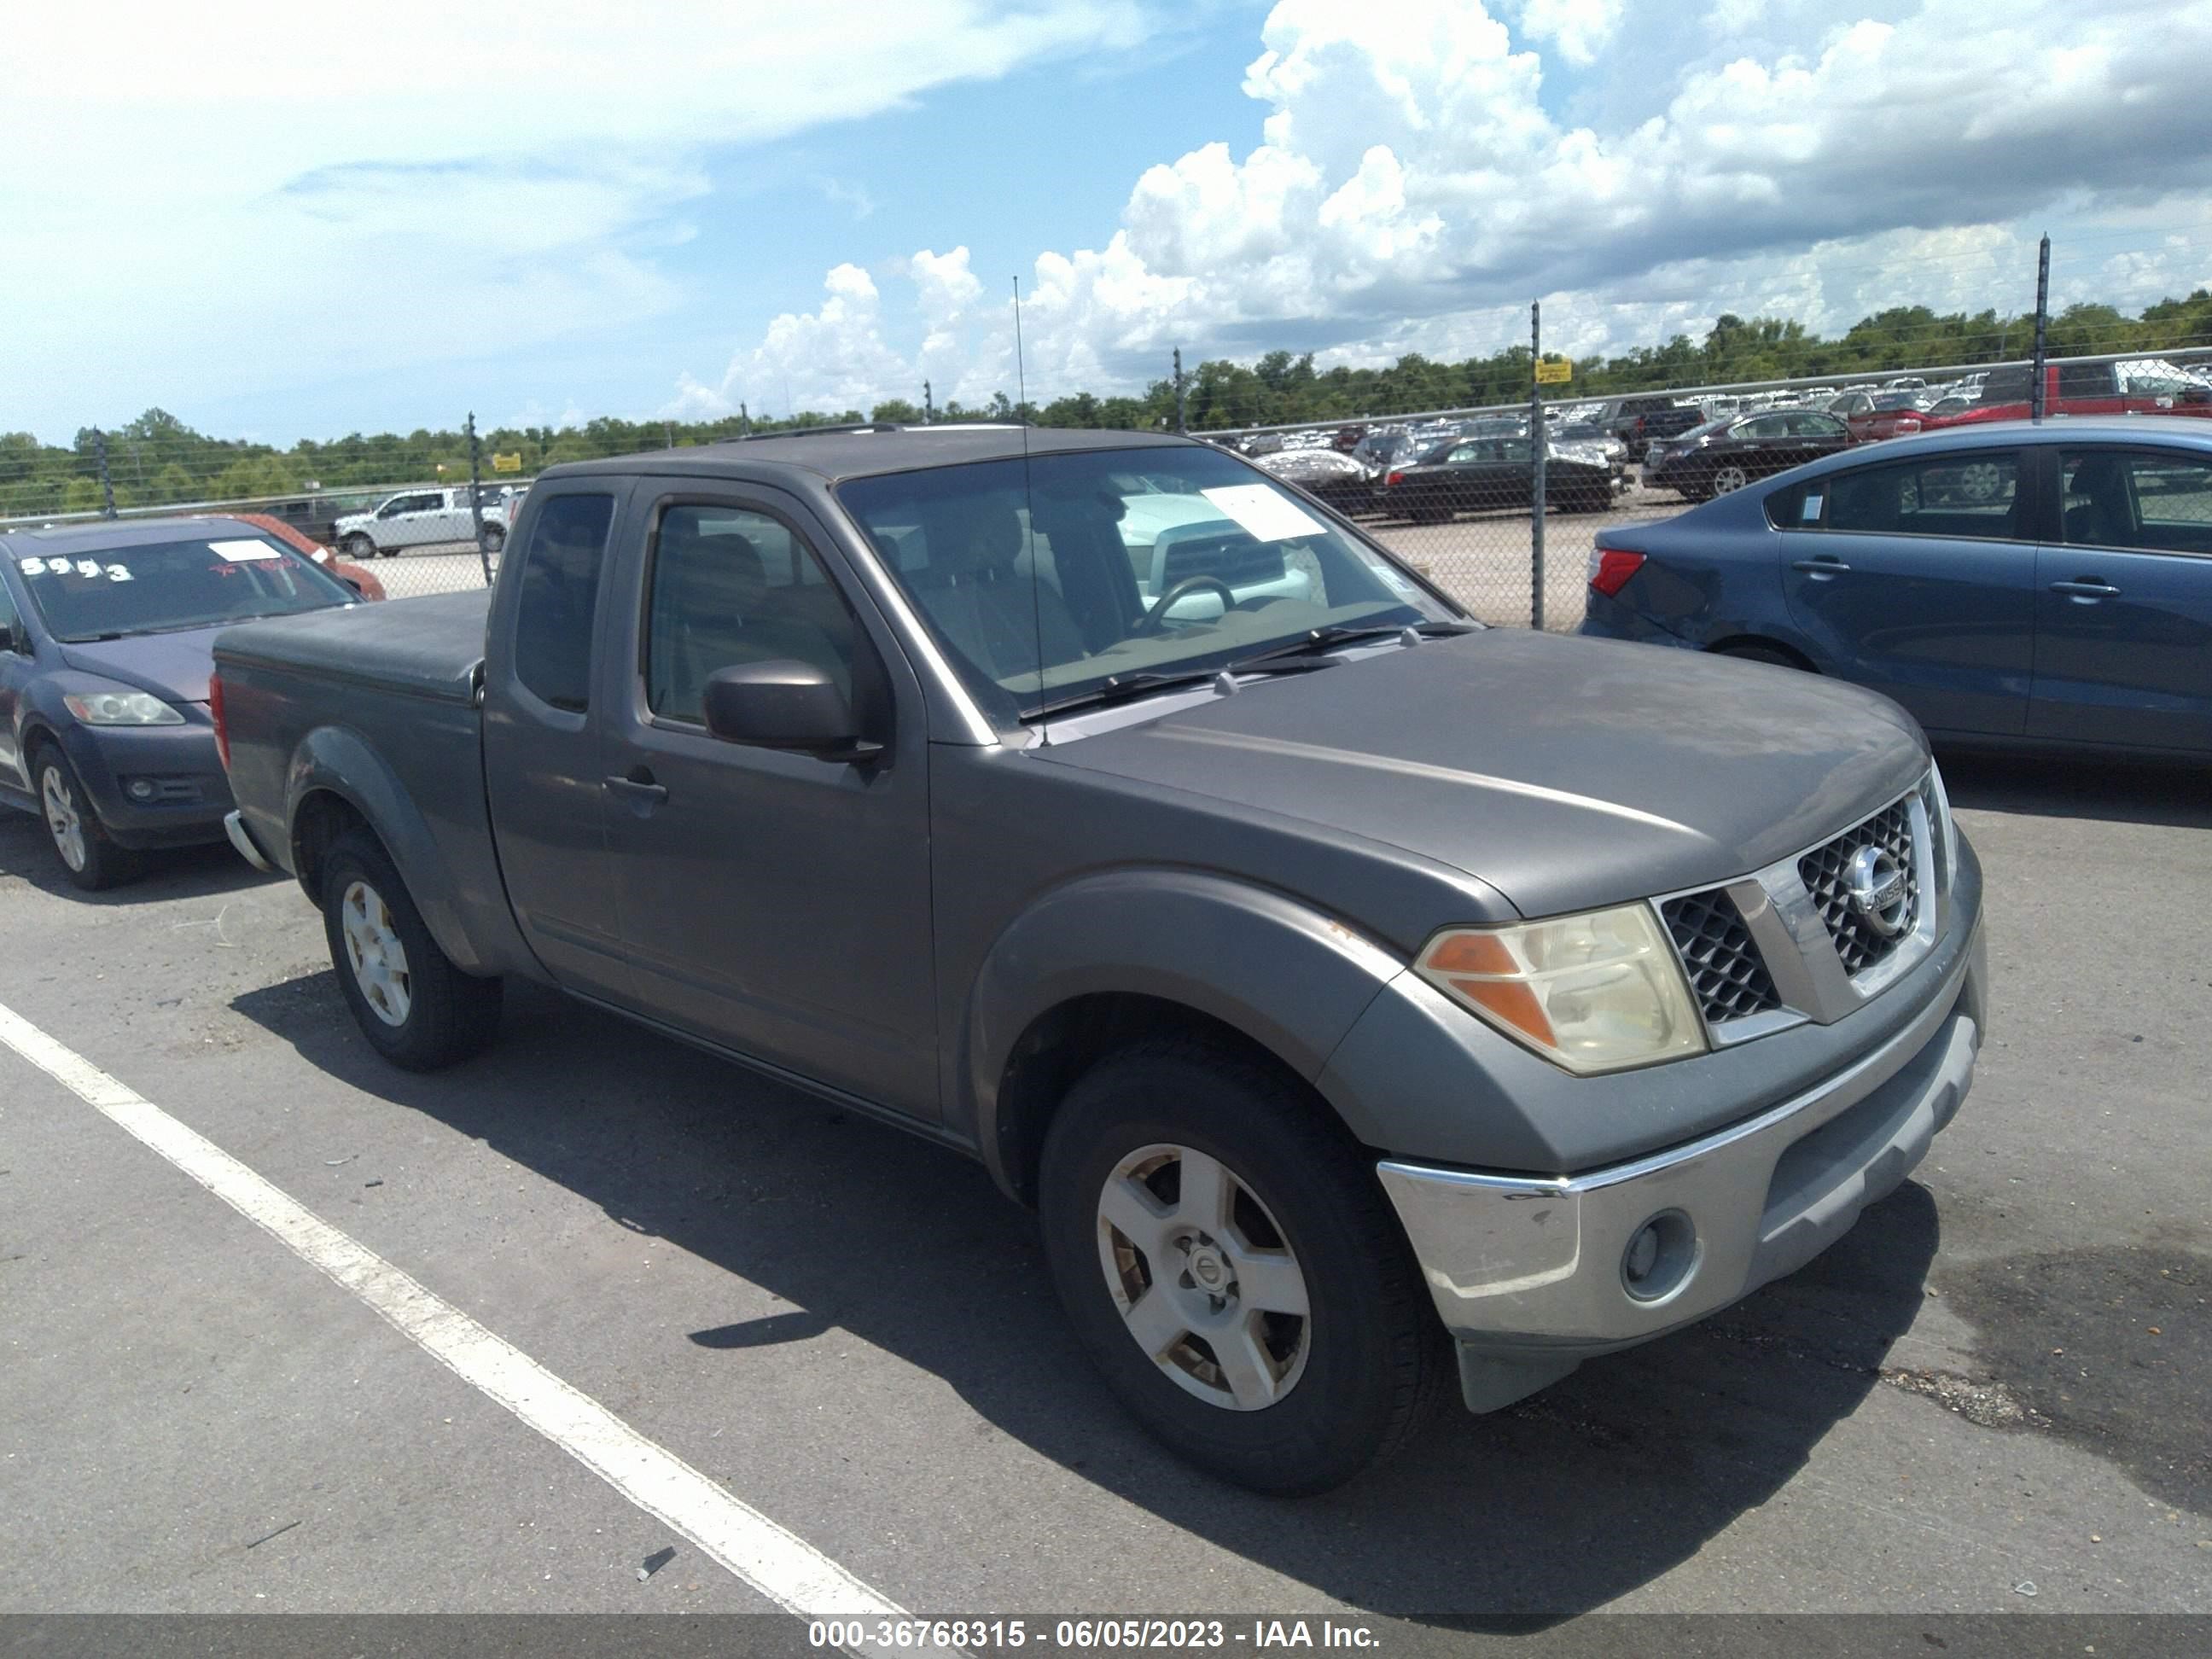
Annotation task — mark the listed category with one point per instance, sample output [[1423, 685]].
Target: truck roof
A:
[[863, 452]]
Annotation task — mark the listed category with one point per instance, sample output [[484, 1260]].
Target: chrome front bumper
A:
[[1531, 1276]]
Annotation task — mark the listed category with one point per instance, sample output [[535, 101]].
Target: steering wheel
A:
[[1151, 621]]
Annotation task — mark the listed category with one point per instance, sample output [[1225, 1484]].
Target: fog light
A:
[[139, 788], [1659, 1257]]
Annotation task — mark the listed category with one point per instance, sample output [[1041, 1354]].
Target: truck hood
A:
[[1565, 773], [173, 667]]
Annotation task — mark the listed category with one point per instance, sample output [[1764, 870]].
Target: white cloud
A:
[[1412, 189], [1580, 28], [223, 198], [854, 197]]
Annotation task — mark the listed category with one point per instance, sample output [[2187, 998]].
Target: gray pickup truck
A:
[[1354, 990]]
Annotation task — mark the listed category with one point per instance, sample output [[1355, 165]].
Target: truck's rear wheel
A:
[[1234, 1270], [413, 1004]]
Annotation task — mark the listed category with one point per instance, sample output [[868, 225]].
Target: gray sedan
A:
[[2010, 584]]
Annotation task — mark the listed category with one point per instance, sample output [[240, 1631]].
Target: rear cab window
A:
[[557, 604]]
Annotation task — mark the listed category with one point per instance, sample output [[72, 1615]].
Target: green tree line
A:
[[158, 460]]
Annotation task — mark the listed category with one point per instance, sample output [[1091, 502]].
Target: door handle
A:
[[639, 789], [1827, 565], [2089, 590]]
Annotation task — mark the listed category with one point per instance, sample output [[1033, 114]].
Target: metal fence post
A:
[[744, 422], [2042, 319], [1538, 445], [476, 497], [1179, 426], [107, 483]]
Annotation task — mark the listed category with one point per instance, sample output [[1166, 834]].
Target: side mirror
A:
[[785, 704]]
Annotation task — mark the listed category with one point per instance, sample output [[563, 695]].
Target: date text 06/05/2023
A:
[[973, 1634]]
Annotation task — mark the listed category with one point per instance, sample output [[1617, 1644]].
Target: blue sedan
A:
[[106, 635], [2012, 584]]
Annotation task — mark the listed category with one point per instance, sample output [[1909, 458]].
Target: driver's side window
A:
[[730, 586], [10, 624]]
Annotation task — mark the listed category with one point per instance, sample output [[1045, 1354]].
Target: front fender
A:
[[333, 760], [1289, 977]]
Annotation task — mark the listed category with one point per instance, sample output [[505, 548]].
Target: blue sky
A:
[[675, 210]]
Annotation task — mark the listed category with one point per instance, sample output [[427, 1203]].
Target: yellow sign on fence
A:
[[1553, 371], [507, 463]]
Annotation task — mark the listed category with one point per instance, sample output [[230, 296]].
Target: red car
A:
[[2083, 389], [353, 575], [1888, 414]]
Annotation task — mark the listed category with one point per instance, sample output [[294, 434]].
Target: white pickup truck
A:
[[422, 518]]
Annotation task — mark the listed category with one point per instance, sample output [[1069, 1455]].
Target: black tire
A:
[[448, 1014], [1774, 654], [358, 548], [97, 862], [1374, 1361], [495, 539]]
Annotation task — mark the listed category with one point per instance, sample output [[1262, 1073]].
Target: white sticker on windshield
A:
[[1262, 515], [88, 567], [235, 550], [119, 573], [33, 567], [1810, 513]]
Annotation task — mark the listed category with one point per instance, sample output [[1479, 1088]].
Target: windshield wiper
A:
[[89, 638], [1120, 688], [1288, 657], [1323, 639]]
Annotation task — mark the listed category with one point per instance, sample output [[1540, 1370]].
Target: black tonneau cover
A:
[[428, 648]]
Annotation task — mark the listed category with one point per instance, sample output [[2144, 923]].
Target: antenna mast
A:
[[1021, 376]]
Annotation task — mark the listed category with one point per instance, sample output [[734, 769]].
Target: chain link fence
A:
[[1463, 490]]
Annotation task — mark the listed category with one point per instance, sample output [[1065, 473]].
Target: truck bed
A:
[[376, 705], [429, 647]]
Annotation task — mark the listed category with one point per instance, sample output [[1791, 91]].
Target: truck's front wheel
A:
[[1233, 1269], [413, 1004]]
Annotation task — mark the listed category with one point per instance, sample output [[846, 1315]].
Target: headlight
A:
[[121, 708], [1594, 992]]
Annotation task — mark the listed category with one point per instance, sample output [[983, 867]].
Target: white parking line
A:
[[782, 1567]]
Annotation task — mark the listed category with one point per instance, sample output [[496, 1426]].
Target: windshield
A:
[[151, 587], [1119, 562]]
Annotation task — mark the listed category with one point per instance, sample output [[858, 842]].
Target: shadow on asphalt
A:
[[2176, 794], [184, 872], [1560, 1505]]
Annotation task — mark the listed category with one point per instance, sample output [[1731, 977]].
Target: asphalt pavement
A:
[[1989, 1398]]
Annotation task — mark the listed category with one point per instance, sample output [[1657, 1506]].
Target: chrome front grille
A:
[[1727, 975], [1826, 873]]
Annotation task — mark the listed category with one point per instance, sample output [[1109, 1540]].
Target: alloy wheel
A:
[[1730, 478], [374, 953], [64, 822], [1205, 1282]]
